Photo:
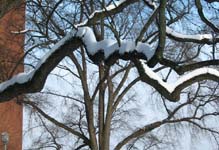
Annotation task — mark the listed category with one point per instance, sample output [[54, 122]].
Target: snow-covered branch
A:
[[111, 47], [196, 38], [34, 80], [172, 91]]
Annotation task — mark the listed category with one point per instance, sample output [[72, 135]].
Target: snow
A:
[[151, 74], [19, 78], [170, 87], [145, 49], [151, 3], [195, 73], [109, 46], [55, 47], [115, 4], [184, 36]]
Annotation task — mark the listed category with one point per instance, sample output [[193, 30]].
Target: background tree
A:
[[103, 51]]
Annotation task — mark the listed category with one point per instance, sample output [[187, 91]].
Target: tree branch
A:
[[172, 91], [34, 81], [108, 11], [211, 1], [139, 133], [203, 18], [57, 123], [181, 69], [162, 35]]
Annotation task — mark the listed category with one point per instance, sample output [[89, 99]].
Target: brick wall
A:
[[11, 51]]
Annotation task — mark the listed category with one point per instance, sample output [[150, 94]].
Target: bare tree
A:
[[102, 51]]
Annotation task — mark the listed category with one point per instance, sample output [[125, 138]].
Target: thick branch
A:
[[211, 1], [181, 69], [34, 81], [195, 38], [172, 91], [162, 34]]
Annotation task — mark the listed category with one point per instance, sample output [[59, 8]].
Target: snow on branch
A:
[[34, 80], [110, 47], [172, 90], [150, 4], [196, 38]]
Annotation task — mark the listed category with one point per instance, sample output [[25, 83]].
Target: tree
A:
[[106, 43]]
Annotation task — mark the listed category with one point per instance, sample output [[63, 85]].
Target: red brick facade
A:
[[11, 51]]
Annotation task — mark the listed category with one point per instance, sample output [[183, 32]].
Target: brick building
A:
[[11, 52]]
